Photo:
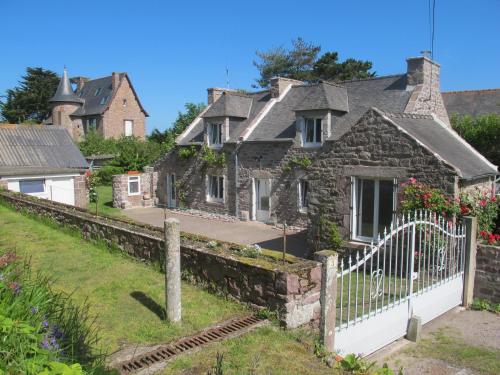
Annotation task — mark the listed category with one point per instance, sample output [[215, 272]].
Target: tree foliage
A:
[[302, 62], [29, 101], [167, 137], [482, 132]]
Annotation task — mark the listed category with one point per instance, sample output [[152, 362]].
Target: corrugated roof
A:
[[445, 142], [44, 147], [472, 102]]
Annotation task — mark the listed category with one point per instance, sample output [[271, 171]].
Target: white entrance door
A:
[[262, 199], [171, 196]]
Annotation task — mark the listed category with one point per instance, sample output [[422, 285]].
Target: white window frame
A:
[[300, 188], [219, 198], [134, 179], [36, 193], [217, 126], [355, 218], [125, 128], [315, 143]]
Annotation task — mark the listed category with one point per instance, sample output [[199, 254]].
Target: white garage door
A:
[[62, 189]]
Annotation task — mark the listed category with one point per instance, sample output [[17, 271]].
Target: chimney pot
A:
[[115, 80], [279, 84]]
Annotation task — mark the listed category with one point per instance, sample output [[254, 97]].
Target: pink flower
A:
[[482, 203], [412, 180]]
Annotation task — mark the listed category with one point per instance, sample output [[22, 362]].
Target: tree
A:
[[29, 101], [301, 62], [482, 132], [167, 137]]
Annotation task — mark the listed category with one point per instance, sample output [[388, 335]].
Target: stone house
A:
[[109, 106], [42, 161], [301, 152]]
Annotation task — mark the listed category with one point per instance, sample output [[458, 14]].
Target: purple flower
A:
[[45, 344], [45, 324], [57, 332], [15, 287], [34, 309]]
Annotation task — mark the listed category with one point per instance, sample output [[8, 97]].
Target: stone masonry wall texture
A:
[[146, 198], [293, 289], [118, 112], [487, 279]]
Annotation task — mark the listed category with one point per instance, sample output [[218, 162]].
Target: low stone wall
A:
[[487, 280], [293, 289]]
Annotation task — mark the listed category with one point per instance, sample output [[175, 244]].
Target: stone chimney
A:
[[215, 93], [279, 84], [423, 79], [115, 78], [79, 82]]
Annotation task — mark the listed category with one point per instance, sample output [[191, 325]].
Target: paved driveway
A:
[[245, 233]]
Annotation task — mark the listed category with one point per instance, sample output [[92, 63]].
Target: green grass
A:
[[105, 203], [267, 350], [457, 352], [126, 295]]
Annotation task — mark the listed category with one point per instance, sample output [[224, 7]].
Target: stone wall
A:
[[487, 279], [373, 148], [124, 106], [147, 195], [292, 288], [426, 98], [81, 192], [61, 113]]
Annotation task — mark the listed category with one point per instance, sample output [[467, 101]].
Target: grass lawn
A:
[[126, 295], [105, 203]]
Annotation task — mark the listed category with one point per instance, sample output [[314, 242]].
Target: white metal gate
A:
[[416, 268]]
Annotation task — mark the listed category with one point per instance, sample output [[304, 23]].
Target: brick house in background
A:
[[109, 106], [301, 152]]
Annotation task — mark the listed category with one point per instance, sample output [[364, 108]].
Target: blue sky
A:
[[173, 51]]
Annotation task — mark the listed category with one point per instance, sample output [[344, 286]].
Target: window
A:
[[215, 135], [134, 185], [312, 132], [303, 191], [103, 100], [91, 125], [215, 189], [32, 186], [81, 94], [97, 91], [129, 126], [373, 207], [124, 102]]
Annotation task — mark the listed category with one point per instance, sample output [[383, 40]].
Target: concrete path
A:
[[244, 233], [476, 329]]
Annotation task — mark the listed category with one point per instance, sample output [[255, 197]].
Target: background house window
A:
[[32, 186], [312, 132], [215, 135], [97, 91], [124, 102], [134, 185], [373, 207], [303, 192], [129, 126], [215, 189], [103, 100], [90, 125]]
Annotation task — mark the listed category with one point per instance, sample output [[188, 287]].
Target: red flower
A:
[[412, 180], [464, 210], [87, 173], [493, 199], [482, 203]]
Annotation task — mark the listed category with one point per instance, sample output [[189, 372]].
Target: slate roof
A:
[[230, 105], [323, 95], [445, 142], [237, 125], [473, 102], [64, 92], [38, 149], [96, 104]]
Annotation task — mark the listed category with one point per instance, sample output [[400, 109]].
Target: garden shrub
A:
[[106, 173], [41, 330], [331, 231]]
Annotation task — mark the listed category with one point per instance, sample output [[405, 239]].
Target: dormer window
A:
[[215, 134], [313, 129], [97, 91], [104, 100]]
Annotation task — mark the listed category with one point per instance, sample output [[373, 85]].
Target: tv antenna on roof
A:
[[227, 77]]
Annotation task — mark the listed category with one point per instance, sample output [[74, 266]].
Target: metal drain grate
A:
[[166, 352]]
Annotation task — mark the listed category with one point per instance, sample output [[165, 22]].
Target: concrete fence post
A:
[[172, 270], [328, 296], [470, 259]]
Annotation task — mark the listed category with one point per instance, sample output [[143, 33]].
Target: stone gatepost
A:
[[470, 259], [328, 296], [172, 270]]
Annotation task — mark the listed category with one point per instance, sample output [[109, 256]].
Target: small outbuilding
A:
[[42, 161]]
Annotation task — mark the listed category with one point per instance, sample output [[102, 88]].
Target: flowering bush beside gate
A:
[[41, 331], [481, 204]]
